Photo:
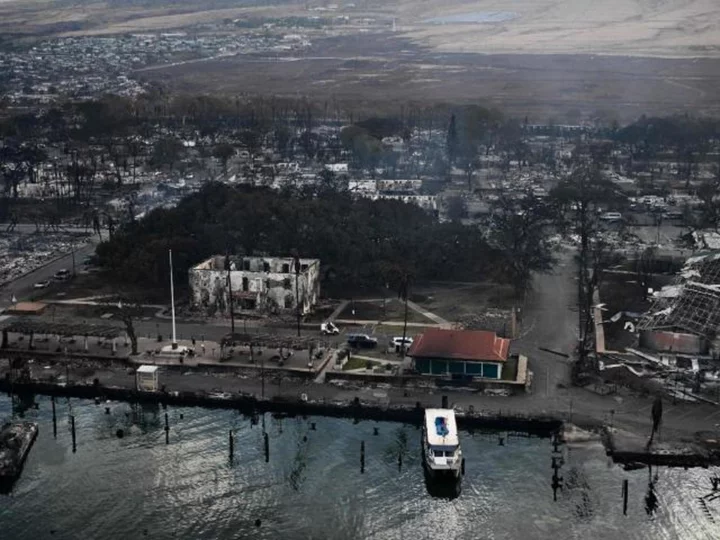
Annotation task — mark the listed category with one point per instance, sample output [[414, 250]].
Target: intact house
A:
[[266, 284], [460, 353]]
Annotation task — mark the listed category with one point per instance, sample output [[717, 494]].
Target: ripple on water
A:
[[312, 488]]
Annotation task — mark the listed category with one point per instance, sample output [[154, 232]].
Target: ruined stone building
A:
[[266, 284]]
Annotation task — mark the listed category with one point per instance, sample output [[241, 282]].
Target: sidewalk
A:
[[360, 322], [628, 412], [681, 422]]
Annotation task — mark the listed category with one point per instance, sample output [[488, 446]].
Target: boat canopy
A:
[[441, 428]]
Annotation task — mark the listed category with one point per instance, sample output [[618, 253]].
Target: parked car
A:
[[62, 275], [329, 329], [362, 341], [397, 343], [42, 284]]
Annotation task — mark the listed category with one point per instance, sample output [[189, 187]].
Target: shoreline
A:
[[301, 398], [249, 404]]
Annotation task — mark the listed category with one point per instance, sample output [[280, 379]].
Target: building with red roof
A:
[[467, 353]]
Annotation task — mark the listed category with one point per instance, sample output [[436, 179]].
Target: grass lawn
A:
[[99, 284], [393, 330], [394, 310], [358, 363], [92, 312]]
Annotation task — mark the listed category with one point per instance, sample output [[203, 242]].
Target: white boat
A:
[[441, 446]]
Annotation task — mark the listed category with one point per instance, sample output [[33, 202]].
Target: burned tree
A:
[[709, 203], [452, 142], [129, 310], [223, 152], [645, 265], [521, 229], [580, 198]]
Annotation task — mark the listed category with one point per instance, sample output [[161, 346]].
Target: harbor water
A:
[[311, 486]]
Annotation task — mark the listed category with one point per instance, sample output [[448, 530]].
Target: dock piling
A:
[[232, 445], [52, 400], [625, 496], [375, 431], [399, 461], [266, 444], [167, 430], [444, 402], [362, 457], [72, 429]]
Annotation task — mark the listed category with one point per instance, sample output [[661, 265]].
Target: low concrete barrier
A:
[[539, 425]]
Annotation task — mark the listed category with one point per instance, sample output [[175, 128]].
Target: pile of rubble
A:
[[20, 254]]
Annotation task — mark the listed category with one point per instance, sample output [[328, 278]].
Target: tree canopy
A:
[[361, 244]]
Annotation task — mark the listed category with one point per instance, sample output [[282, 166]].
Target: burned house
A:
[[267, 284], [685, 317]]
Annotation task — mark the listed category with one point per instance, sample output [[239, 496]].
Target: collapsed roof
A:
[[694, 306]]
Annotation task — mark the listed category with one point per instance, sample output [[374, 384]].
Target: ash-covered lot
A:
[[22, 253]]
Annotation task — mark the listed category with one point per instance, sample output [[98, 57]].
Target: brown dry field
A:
[[391, 70], [667, 28], [556, 59]]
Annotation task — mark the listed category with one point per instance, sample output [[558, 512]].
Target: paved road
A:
[[22, 287], [31, 228], [216, 331], [550, 320], [629, 413]]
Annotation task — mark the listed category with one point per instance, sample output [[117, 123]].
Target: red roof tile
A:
[[460, 344]]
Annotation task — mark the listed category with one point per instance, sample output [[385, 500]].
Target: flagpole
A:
[[172, 301]]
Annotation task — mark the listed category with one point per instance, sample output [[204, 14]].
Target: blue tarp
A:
[[441, 426]]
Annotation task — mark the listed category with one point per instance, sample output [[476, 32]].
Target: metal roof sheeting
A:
[[474, 345]]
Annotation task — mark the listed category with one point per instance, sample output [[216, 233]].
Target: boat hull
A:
[[451, 471], [15, 443]]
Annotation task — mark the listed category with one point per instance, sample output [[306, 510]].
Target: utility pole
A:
[[297, 292], [262, 376], [230, 296], [404, 294], [172, 301]]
